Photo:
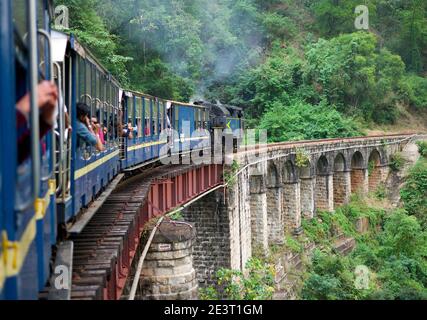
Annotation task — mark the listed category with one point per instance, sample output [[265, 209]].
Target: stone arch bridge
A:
[[279, 185]]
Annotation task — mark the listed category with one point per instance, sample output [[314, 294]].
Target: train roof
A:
[[141, 94], [61, 41], [219, 109], [186, 104]]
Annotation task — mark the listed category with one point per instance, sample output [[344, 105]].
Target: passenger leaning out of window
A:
[[47, 96], [84, 128], [97, 128]]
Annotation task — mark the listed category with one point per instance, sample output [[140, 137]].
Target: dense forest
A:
[[299, 68]]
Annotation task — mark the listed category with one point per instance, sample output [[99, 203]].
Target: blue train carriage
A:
[[27, 221], [190, 124], [143, 129], [86, 171]]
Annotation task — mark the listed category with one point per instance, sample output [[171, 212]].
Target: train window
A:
[[97, 101], [42, 42], [147, 126], [177, 119], [131, 108], [93, 90], [162, 116], [138, 116], [19, 8], [206, 119], [88, 80], [81, 71], [155, 119]]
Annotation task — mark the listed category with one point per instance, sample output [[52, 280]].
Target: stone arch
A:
[[289, 172], [375, 171], [322, 167], [359, 173], [275, 219], [324, 185], [341, 181], [273, 178]]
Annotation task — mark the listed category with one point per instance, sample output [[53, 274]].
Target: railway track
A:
[[105, 250]]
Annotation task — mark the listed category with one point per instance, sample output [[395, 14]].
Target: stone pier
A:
[[168, 272]]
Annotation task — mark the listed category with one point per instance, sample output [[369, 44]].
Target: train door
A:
[[148, 109], [176, 129], [62, 66], [82, 153], [157, 125], [128, 125], [138, 132]]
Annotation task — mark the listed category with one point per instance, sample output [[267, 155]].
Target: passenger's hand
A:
[[47, 96]]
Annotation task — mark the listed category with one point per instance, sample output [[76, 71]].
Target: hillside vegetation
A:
[[299, 68]]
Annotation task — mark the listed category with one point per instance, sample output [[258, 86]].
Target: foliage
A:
[[230, 174], [293, 245], [422, 148], [351, 73], [414, 193], [381, 192], [395, 257], [397, 161], [177, 216], [394, 254], [331, 277], [302, 159], [257, 283], [265, 56], [91, 29], [303, 121], [414, 91]]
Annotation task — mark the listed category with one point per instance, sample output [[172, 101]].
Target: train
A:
[[44, 195]]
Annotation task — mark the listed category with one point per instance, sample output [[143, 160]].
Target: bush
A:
[[258, 284], [414, 193], [303, 121], [422, 148], [397, 161], [414, 91]]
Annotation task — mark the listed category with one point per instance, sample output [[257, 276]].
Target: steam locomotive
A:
[[42, 198]]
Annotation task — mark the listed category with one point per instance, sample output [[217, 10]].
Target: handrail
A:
[[34, 113], [51, 64], [61, 132]]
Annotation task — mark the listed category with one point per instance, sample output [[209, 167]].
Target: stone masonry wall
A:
[[307, 186], [359, 181], [342, 188], [377, 177], [291, 207], [275, 215], [168, 272], [324, 193], [212, 249]]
